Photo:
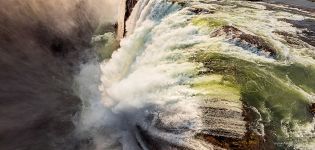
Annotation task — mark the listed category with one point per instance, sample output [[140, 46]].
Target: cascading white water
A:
[[145, 76], [157, 84]]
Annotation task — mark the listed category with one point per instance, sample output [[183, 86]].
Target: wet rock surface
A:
[[197, 10], [312, 108], [303, 4], [241, 37], [308, 29], [251, 140], [223, 121], [126, 7]]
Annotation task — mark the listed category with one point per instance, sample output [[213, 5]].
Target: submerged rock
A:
[[197, 10], [243, 38], [251, 140], [312, 108], [308, 29]]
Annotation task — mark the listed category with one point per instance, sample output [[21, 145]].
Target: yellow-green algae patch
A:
[[217, 87], [279, 102], [209, 22]]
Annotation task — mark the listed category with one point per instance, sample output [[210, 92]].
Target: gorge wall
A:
[[125, 9]]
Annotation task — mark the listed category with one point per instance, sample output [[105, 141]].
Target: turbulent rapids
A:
[[203, 75]]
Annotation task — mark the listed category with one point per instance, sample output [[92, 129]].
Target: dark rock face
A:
[[126, 7], [129, 7], [200, 11], [250, 141], [234, 33], [312, 108], [304, 4], [308, 33]]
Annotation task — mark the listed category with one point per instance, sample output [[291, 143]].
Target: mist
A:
[[42, 44]]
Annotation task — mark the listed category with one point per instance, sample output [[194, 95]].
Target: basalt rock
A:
[[312, 108], [308, 29], [250, 141], [126, 7], [237, 35], [200, 11]]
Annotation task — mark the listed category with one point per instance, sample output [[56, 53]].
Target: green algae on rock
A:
[[209, 22]]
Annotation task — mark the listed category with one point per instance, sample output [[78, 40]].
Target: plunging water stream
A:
[[191, 68]]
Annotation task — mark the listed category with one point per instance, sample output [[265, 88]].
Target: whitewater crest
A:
[[189, 72]]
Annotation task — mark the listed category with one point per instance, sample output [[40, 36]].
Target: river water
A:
[[220, 56], [189, 75]]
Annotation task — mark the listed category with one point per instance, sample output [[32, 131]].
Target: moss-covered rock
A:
[[218, 86], [209, 22], [262, 87]]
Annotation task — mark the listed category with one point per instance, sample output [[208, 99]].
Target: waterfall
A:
[[133, 88], [183, 71]]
